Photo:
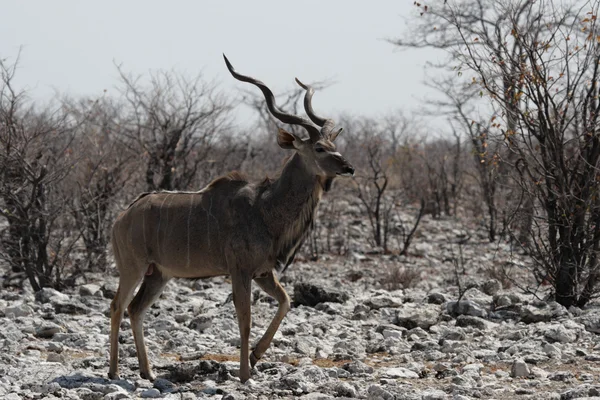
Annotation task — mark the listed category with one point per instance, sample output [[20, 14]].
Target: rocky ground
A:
[[353, 332]]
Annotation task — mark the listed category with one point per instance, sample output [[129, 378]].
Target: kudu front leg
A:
[[241, 284], [270, 284]]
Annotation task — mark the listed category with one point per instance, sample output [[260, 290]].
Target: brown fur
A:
[[231, 176]]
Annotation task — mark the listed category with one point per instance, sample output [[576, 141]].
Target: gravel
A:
[[351, 333]]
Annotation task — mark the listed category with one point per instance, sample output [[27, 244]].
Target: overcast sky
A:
[[71, 46]]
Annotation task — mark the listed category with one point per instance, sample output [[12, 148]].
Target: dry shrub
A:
[[398, 277], [500, 274]]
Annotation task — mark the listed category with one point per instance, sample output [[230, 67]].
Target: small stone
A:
[[392, 333], [55, 347], [552, 351], [201, 323], [502, 300], [377, 392], [344, 389], [150, 393], [468, 320], [424, 318], [434, 394], [399, 372], [562, 376], [357, 367], [116, 396], [70, 307], [55, 357], [321, 354], [422, 249], [436, 298], [49, 295], [539, 373], [109, 290], [593, 357], [89, 290], [302, 347], [19, 310], [378, 302], [558, 333], [465, 307], [519, 369], [491, 287], [163, 385], [310, 295], [47, 330], [542, 312]]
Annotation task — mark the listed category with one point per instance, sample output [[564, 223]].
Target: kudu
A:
[[231, 227]]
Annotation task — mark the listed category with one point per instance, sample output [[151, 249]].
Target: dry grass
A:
[[327, 363], [500, 274], [400, 278], [221, 357]]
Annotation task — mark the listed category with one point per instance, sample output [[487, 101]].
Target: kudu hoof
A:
[[253, 360], [114, 376], [148, 375]]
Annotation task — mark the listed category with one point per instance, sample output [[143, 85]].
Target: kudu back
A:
[[231, 227]]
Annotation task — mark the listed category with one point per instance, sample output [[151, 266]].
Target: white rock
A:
[[54, 357], [392, 333], [558, 333], [422, 249], [89, 289], [150, 393], [552, 350], [434, 394], [399, 372], [519, 369], [19, 310]]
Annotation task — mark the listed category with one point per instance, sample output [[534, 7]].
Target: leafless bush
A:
[[537, 66], [459, 104], [403, 233], [373, 177], [35, 158], [176, 123], [443, 165], [104, 168]]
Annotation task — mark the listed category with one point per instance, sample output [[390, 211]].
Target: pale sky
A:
[[71, 47]]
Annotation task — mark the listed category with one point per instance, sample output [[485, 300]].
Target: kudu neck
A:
[[296, 177], [294, 194]]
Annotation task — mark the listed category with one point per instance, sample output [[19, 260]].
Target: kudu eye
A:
[[319, 149]]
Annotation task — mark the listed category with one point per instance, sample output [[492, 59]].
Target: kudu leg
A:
[[151, 288], [127, 285], [270, 284], [241, 284]]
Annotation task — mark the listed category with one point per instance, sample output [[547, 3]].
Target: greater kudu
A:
[[231, 227]]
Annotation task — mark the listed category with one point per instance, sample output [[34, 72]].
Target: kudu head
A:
[[317, 151]]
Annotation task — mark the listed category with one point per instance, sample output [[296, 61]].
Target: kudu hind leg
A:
[[151, 288], [241, 284], [127, 285], [270, 284]]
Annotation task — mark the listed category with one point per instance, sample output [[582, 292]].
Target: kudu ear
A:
[[286, 140], [335, 134]]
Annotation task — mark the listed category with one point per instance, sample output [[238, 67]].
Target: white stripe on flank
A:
[[158, 252], [167, 230], [144, 231], [188, 229]]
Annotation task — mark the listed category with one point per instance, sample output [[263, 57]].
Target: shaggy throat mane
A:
[[295, 233]]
